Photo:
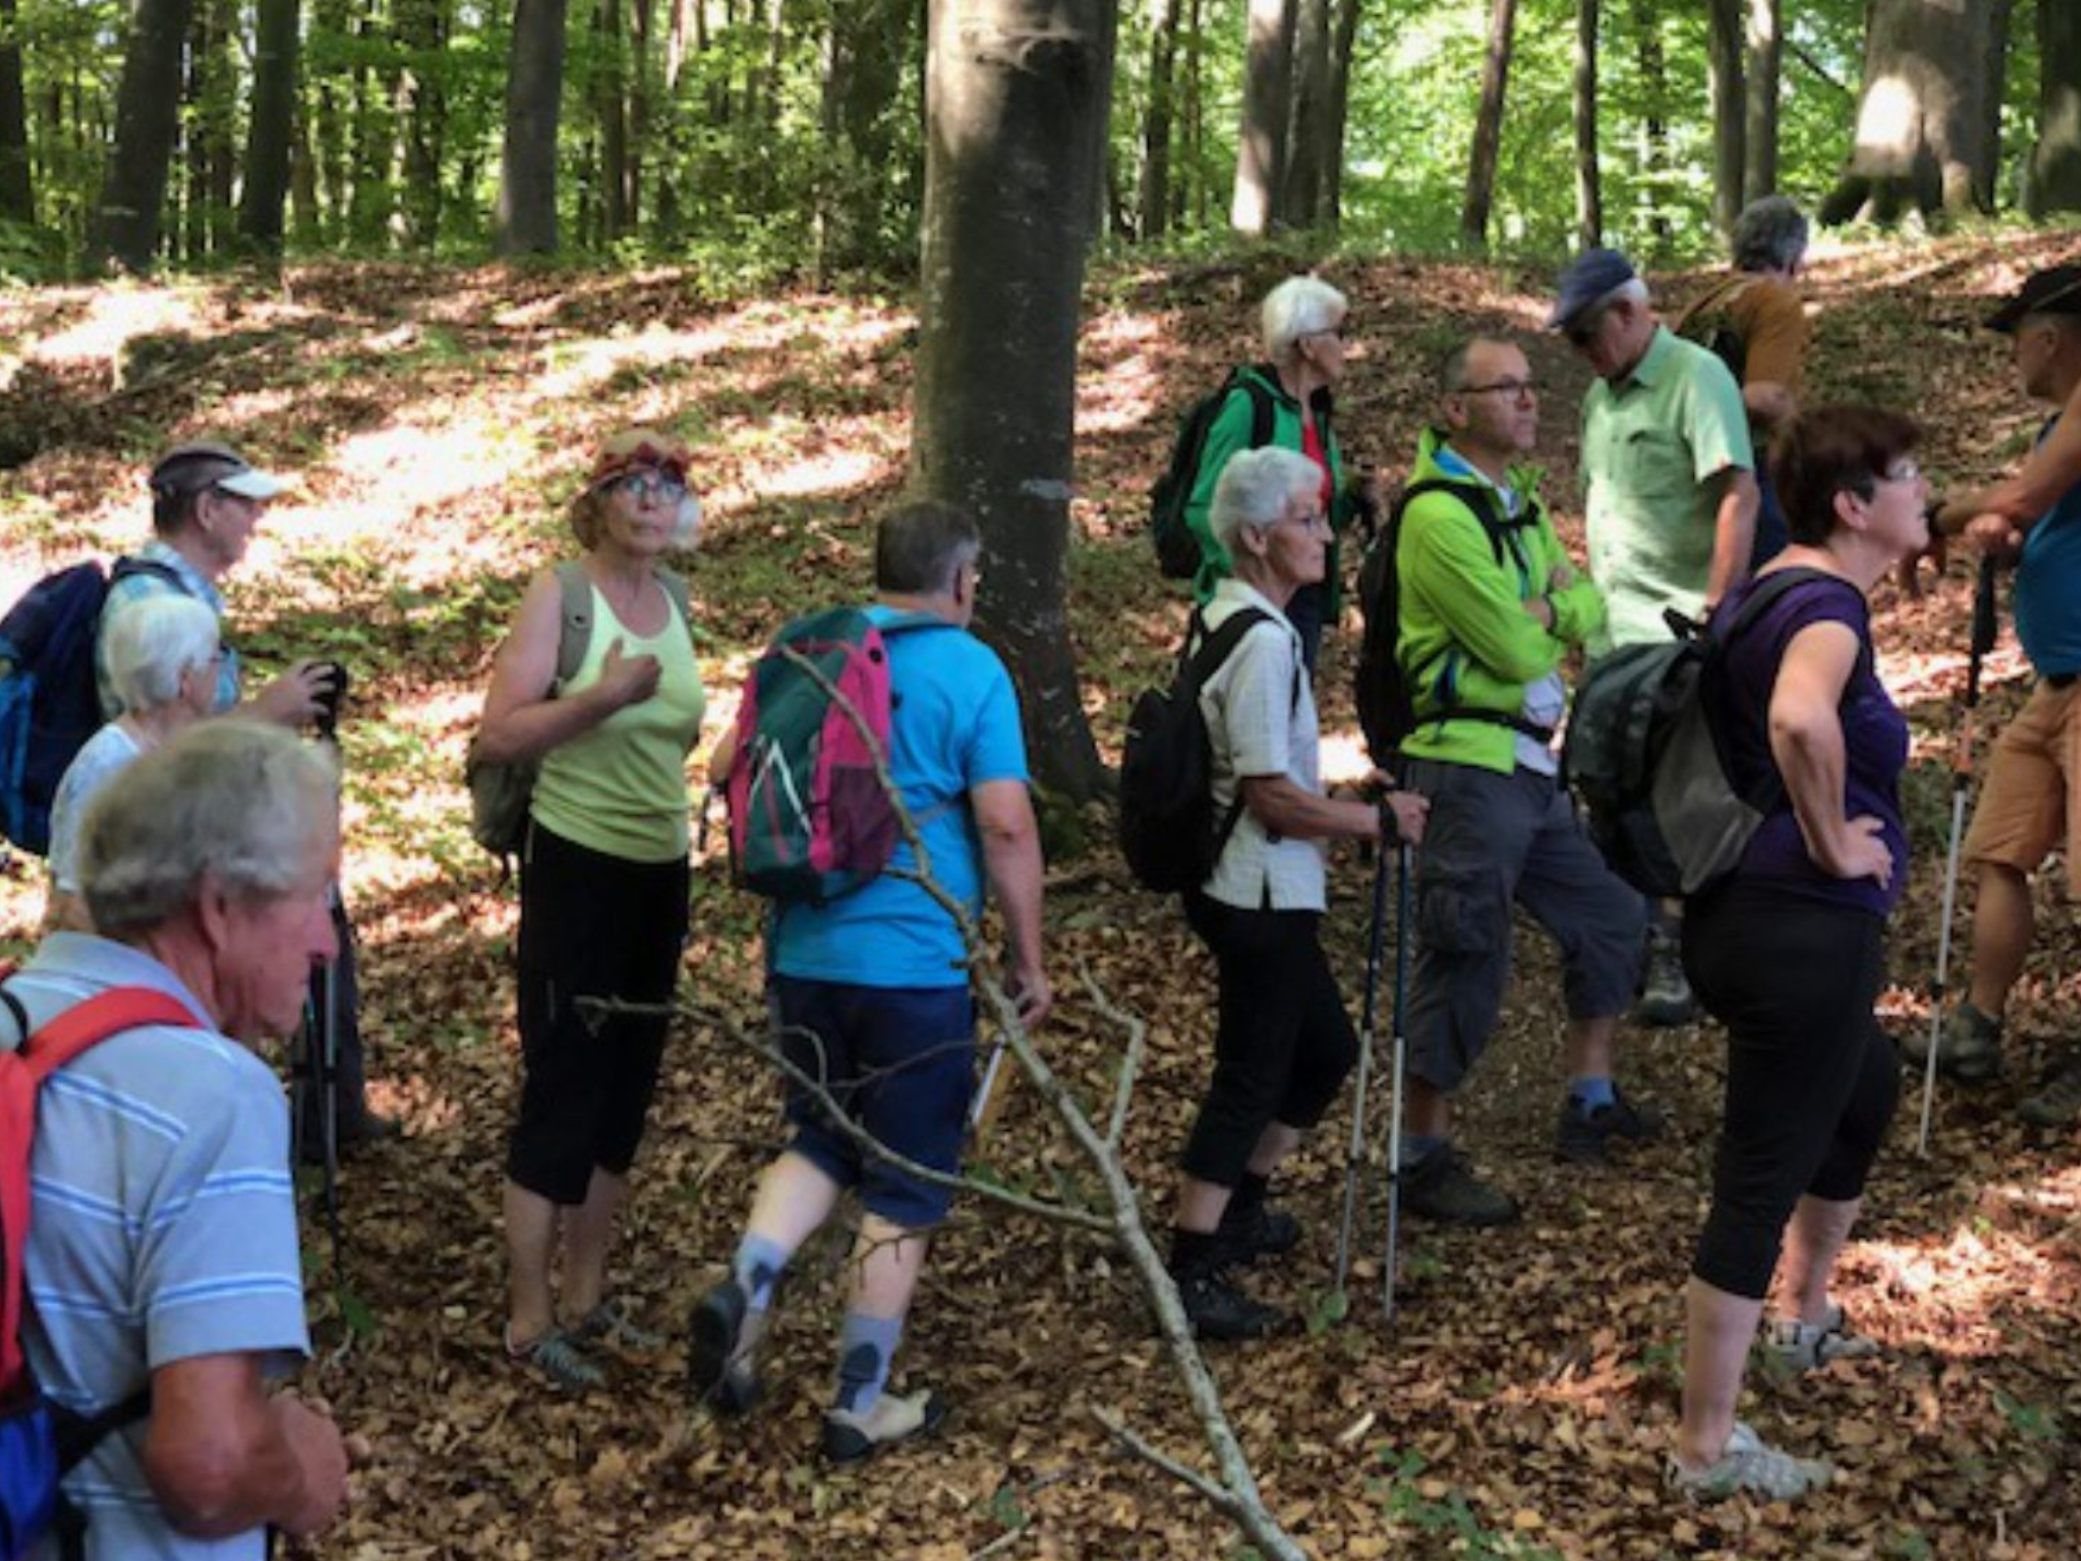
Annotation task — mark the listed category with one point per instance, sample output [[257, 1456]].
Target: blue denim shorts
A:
[[901, 1062]]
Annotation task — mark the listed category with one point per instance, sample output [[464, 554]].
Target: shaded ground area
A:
[[1520, 1406]]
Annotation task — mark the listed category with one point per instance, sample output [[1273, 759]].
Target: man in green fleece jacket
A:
[[1489, 606]]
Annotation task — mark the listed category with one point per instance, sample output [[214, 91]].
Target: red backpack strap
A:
[[88, 1024]]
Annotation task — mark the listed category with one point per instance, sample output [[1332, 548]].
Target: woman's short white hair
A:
[[241, 801], [151, 641], [1299, 306], [1255, 488]]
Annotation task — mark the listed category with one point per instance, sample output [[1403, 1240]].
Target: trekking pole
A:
[[1355, 1153], [1983, 633], [1394, 1094]]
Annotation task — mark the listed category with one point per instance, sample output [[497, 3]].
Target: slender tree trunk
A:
[[611, 107], [1016, 100], [1759, 173], [642, 41], [421, 108], [1488, 125], [1654, 121], [1156, 124], [308, 212], [1921, 126], [273, 124], [1308, 132], [1994, 72], [329, 118], [1194, 184], [126, 226], [1724, 47], [1261, 143], [17, 188], [534, 94], [1589, 189], [2055, 168], [1341, 47], [191, 239]]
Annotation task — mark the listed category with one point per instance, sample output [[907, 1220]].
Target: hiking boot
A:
[[1749, 1464], [1218, 1310], [1665, 994], [557, 1356], [1584, 1134], [1442, 1187], [2058, 1104], [1257, 1231], [1790, 1347], [1969, 1046], [850, 1437], [722, 1336]]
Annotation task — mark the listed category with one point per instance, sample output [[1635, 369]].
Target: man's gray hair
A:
[[1769, 235], [151, 642], [239, 801], [1299, 306], [1254, 489]]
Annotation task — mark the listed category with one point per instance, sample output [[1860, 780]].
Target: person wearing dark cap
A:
[[2030, 799], [1670, 505]]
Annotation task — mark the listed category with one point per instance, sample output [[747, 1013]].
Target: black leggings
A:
[[1284, 1043], [1811, 1078], [591, 925]]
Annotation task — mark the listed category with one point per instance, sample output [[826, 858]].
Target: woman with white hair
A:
[[162, 655], [1286, 401], [1284, 1042]]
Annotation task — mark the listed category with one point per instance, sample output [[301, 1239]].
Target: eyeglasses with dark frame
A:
[[1514, 388], [650, 485]]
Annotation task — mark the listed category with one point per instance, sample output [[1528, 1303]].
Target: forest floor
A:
[[1520, 1405]]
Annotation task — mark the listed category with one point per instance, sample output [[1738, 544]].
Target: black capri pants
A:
[[591, 925], [1284, 1042], [1811, 1078]]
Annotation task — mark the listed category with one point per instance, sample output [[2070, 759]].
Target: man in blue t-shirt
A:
[[2030, 800], [872, 994]]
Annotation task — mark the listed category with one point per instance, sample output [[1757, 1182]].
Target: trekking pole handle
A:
[[1985, 626]]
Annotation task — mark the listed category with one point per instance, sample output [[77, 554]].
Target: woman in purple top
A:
[[1788, 952]]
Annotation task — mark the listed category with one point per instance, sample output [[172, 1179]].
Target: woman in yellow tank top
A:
[[603, 889]]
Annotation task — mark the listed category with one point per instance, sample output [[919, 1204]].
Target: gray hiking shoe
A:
[[1442, 1186], [1969, 1046], [1790, 1347], [850, 1437], [558, 1357], [2058, 1104], [1750, 1465], [1665, 995], [608, 1325]]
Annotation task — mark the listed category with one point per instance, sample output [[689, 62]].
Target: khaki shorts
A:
[[2030, 803]]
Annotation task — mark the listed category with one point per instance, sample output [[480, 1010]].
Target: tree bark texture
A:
[[1765, 40], [1921, 121], [272, 127], [2055, 169], [1156, 124], [1654, 119], [1342, 45], [126, 221], [422, 117], [1261, 143], [1308, 132], [534, 91], [1725, 44], [1016, 102], [17, 188], [1488, 125], [611, 105], [1589, 187], [1994, 70]]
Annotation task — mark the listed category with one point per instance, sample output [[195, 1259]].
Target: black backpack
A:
[[1167, 829], [1648, 765], [1386, 707], [1178, 551], [1713, 330]]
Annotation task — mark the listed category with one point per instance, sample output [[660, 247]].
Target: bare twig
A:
[[1130, 1059], [1220, 1495]]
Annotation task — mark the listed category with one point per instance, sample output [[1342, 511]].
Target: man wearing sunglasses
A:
[[1669, 477]]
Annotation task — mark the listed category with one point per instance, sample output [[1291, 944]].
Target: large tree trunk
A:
[[2055, 166], [1016, 100], [1156, 124], [1308, 132], [1759, 173], [1723, 54], [17, 191], [269, 136], [1488, 125], [1589, 188], [1267, 90], [126, 224], [1921, 122], [534, 95], [1341, 48]]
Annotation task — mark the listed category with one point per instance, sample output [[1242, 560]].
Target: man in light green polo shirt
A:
[[1670, 507]]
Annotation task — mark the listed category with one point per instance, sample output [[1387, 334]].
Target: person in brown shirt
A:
[[1755, 320]]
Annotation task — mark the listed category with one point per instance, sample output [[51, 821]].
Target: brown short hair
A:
[[1830, 450]]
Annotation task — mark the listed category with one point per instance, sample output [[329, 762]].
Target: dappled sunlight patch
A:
[[114, 315]]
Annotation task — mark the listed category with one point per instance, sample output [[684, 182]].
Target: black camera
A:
[[329, 696]]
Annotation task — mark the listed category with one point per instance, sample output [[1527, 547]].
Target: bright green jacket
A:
[[1466, 641], [1230, 433]]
